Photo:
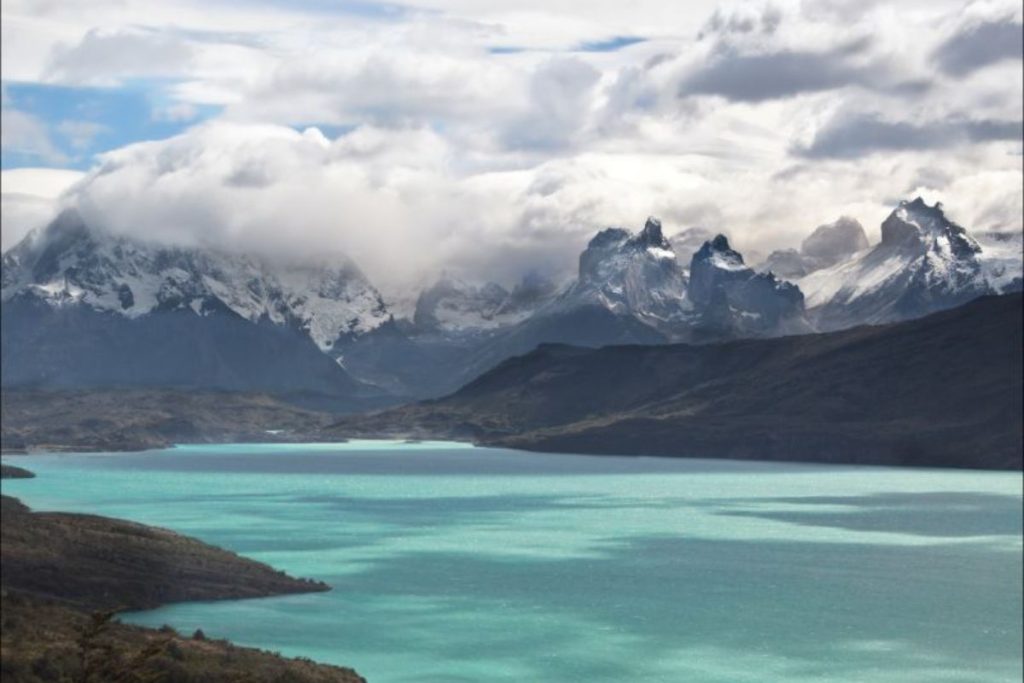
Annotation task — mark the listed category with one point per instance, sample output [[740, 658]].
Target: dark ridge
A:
[[940, 391]]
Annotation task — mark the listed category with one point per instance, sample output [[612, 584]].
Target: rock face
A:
[[631, 274], [733, 300], [924, 263]]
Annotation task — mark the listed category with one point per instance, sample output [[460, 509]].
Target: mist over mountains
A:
[[83, 307]]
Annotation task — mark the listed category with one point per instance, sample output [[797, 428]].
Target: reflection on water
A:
[[461, 564]]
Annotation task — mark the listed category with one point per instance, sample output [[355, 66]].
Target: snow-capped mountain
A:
[[630, 274], [826, 246], [734, 300], [71, 263], [82, 307], [924, 263]]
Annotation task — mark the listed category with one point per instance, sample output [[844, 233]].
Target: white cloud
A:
[[494, 162], [80, 134], [405, 204], [29, 199], [24, 134]]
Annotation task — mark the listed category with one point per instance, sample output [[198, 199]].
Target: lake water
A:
[[454, 563]]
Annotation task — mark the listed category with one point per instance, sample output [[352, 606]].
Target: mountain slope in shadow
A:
[[943, 391]]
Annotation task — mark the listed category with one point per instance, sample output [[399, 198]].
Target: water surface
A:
[[453, 563]]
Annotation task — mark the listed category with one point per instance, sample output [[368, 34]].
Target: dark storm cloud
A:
[[851, 138], [980, 45], [759, 77]]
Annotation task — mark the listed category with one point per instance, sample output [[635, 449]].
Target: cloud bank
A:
[[442, 134]]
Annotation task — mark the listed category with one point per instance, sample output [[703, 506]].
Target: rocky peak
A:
[[651, 235], [712, 266], [630, 274], [732, 297], [719, 254], [135, 278], [916, 226]]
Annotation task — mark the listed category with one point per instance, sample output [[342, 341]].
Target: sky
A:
[[489, 139]]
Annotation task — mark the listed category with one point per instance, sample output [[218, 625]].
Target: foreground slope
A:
[[944, 390], [64, 574]]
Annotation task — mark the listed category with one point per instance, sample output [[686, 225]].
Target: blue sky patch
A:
[[609, 44], [81, 122]]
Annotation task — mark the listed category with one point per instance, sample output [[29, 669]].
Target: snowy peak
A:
[[924, 263], [71, 262], [718, 252], [915, 225], [652, 236], [732, 297], [630, 274], [713, 266]]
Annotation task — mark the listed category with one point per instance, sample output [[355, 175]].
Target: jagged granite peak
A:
[[733, 299], [718, 248], [914, 225], [652, 236], [712, 266], [630, 274], [924, 263], [69, 262]]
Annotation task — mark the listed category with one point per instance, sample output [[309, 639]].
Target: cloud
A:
[[856, 136], [106, 57], [25, 135], [753, 78], [609, 44], [742, 19], [561, 95], [80, 134], [980, 44], [430, 150], [181, 111], [30, 199]]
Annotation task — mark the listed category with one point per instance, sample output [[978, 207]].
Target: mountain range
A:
[[84, 308]]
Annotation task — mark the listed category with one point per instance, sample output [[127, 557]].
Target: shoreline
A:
[[66, 576]]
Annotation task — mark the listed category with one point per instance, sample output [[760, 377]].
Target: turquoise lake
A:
[[454, 563]]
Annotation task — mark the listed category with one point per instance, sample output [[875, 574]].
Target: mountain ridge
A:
[[944, 390]]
